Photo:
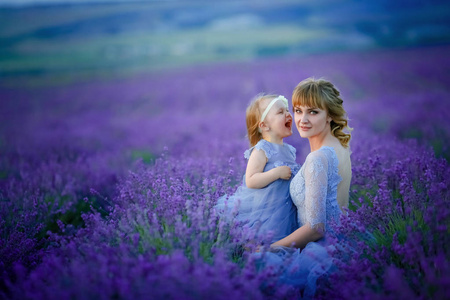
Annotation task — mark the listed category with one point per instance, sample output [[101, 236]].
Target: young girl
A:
[[263, 199]]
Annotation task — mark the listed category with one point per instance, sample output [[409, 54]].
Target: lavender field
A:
[[106, 187]]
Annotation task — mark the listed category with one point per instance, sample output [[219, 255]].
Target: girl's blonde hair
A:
[[320, 93], [253, 118]]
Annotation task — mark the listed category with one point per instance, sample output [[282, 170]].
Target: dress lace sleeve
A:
[[316, 186], [261, 145], [292, 150]]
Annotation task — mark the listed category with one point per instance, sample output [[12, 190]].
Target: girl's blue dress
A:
[[269, 208], [314, 193]]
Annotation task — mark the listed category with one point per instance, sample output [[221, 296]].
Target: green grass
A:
[[71, 217], [398, 225], [146, 156], [361, 196]]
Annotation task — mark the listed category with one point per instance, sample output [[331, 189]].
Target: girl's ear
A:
[[263, 127], [329, 119]]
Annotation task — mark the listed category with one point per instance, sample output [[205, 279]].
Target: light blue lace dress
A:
[[269, 208], [314, 193], [314, 190]]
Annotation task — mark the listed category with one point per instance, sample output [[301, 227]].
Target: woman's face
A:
[[311, 121]]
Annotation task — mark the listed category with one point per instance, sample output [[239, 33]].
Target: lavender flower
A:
[[107, 189]]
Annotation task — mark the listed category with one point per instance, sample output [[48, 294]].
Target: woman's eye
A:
[[313, 112], [297, 111]]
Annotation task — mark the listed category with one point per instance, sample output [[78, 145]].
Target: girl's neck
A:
[[273, 140]]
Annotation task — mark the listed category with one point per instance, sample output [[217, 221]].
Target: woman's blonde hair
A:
[[253, 118], [320, 93]]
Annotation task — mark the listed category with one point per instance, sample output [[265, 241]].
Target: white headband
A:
[[266, 111]]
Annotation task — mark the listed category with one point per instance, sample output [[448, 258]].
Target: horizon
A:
[[67, 39]]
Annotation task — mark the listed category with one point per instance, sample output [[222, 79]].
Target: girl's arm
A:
[[256, 178]]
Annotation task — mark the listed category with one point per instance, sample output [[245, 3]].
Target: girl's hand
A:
[[284, 172]]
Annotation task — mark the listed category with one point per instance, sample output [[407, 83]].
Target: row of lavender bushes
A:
[[92, 206]]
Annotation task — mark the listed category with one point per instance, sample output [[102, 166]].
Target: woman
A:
[[320, 190]]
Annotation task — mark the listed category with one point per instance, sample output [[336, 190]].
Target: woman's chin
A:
[[303, 135]]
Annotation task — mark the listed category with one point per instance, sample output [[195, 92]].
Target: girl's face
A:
[[311, 121], [278, 120]]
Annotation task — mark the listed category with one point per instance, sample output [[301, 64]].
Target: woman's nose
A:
[[304, 119]]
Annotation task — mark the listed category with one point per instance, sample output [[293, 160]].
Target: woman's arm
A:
[[316, 186], [300, 237], [256, 178]]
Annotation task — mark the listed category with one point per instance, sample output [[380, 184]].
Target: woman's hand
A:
[[300, 237]]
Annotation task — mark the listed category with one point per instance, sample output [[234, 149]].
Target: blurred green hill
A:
[[63, 43]]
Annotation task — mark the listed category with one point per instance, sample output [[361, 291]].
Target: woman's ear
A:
[[329, 119]]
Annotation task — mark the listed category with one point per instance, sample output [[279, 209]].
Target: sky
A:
[[34, 2]]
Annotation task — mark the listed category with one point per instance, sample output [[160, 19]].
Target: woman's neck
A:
[[319, 141]]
